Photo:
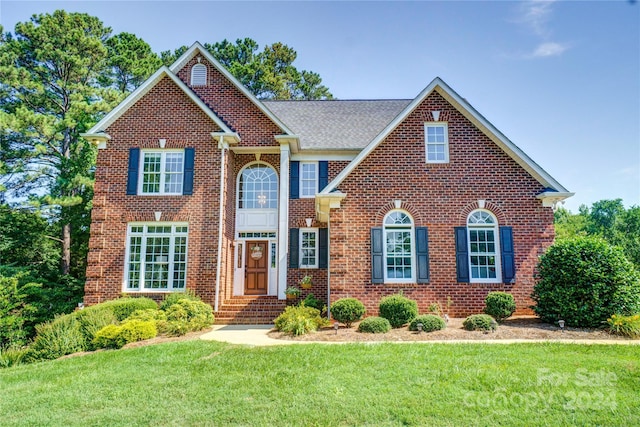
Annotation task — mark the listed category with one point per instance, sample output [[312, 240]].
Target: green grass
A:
[[209, 383]]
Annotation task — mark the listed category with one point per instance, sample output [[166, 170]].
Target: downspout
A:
[[328, 260], [223, 147]]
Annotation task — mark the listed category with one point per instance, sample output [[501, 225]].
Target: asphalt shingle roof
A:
[[336, 124]]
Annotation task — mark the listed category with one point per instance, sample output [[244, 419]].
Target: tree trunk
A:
[[66, 248]]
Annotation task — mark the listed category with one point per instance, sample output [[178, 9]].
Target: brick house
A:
[[200, 185]]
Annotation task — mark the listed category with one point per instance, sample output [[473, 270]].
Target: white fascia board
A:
[[499, 138], [143, 89], [551, 198], [198, 48], [470, 113], [381, 136]]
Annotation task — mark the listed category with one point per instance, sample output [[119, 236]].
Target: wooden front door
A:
[[256, 269]]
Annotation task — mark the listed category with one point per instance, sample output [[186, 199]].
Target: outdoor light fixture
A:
[[561, 324], [494, 325], [446, 318], [419, 326], [336, 326]]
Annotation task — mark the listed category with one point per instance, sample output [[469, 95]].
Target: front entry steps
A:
[[250, 310]]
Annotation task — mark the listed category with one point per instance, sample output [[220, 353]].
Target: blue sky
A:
[[560, 78]]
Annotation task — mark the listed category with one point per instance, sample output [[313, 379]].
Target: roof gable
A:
[[474, 117], [197, 48], [142, 90]]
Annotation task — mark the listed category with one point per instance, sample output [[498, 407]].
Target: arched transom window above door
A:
[[258, 187]]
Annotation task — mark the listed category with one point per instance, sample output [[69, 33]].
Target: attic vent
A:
[[199, 75]]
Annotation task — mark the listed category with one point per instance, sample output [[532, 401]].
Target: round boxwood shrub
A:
[[499, 305], [374, 325], [584, 281], [398, 310], [479, 322], [429, 322], [347, 311], [186, 315]]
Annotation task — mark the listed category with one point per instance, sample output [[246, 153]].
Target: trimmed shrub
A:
[[299, 320], [499, 305], [57, 338], [12, 356], [174, 297], [584, 281], [429, 322], [123, 307], [347, 311], [479, 322], [398, 310], [374, 325], [116, 336], [311, 301], [628, 326], [148, 315], [186, 316], [92, 320]]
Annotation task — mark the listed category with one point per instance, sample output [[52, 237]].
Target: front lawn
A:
[[210, 383]]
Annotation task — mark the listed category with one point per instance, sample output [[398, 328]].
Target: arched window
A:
[[484, 247], [398, 248], [199, 75], [258, 187]]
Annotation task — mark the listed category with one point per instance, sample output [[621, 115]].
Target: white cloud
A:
[[547, 49], [536, 14]]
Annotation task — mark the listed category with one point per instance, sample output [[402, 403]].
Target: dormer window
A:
[[199, 75]]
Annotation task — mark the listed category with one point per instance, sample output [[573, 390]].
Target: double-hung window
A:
[[308, 248], [162, 172], [156, 257], [484, 247], [437, 142], [308, 179], [398, 254]]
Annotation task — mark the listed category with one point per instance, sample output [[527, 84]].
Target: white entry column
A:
[[283, 218]]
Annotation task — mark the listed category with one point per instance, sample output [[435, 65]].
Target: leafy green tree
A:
[[569, 225], [25, 240], [268, 74], [130, 62], [50, 72], [604, 218], [15, 311]]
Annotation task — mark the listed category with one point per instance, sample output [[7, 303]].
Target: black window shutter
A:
[[323, 175], [508, 258], [377, 265], [294, 245], [422, 252], [189, 160], [294, 181], [323, 248], [462, 255], [132, 172]]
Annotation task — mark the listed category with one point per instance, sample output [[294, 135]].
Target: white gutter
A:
[[223, 146]]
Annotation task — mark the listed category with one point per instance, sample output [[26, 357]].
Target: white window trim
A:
[[498, 249], [163, 175], [385, 228], [300, 248], [173, 234], [194, 68], [308, 196], [446, 141]]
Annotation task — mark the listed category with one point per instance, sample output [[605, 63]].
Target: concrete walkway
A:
[[256, 335]]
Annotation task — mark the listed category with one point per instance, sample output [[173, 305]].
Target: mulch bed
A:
[[518, 327]]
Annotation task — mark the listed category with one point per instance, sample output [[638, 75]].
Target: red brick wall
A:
[[438, 196], [233, 107]]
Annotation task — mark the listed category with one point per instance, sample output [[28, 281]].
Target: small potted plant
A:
[[305, 283], [292, 292]]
